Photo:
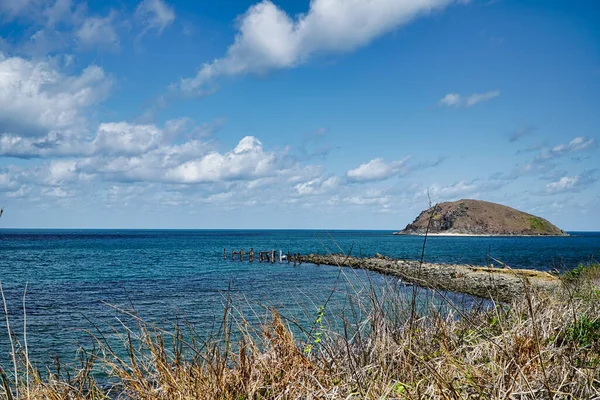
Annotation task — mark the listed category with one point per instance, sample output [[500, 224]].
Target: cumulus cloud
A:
[[56, 192], [317, 186], [98, 32], [60, 11], [54, 144], [366, 201], [457, 100], [124, 152], [562, 185], [377, 170], [454, 191], [269, 39], [154, 15], [571, 184], [16, 8], [246, 160], [111, 139], [61, 172], [451, 100], [546, 158], [53, 25], [35, 98], [580, 143], [126, 138], [9, 180]]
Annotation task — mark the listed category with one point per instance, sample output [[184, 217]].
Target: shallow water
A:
[[167, 275]]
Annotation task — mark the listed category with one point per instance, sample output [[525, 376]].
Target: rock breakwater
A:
[[501, 284]]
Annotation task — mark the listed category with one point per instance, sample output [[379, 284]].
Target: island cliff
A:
[[477, 217]]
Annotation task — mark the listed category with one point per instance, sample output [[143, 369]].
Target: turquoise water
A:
[[167, 275]]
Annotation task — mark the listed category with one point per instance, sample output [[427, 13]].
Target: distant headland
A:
[[479, 218]]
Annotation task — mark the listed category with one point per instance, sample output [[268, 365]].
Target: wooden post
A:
[[224, 254], [289, 257], [280, 256], [272, 256], [232, 254], [241, 254], [251, 257]]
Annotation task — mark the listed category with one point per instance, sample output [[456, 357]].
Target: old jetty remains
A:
[[270, 256], [501, 284]]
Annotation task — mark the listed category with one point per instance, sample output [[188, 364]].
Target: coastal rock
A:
[[477, 217], [499, 284]]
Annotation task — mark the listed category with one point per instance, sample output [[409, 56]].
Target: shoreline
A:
[[456, 234]]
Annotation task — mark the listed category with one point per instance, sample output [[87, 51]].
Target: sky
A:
[[322, 114]]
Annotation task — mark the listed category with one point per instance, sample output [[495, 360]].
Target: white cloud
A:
[[366, 201], [572, 184], [9, 181], [377, 170], [35, 98], [317, 186], [22, 192], [51, 26], [269, 39], [546, 158], [61, 10], [155, 15], [454, 191], [126, 138], [580, 143], [246, 160], [456, 100], [55, 144], [14, 8], [60, 172], [98, 32], [114, 139], [124, 152], [451, 100], [481, 97], [562, 185], [56, 192]]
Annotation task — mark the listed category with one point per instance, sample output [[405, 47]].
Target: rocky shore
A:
[[500, 284]]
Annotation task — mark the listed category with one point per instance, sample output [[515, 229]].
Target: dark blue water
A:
[[167, 275]]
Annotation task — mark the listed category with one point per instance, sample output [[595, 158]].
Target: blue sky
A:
[[327, 114]]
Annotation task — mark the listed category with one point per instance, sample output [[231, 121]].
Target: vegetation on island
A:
[[386, 346]]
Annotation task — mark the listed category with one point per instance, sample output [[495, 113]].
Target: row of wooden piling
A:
[[264, 256]]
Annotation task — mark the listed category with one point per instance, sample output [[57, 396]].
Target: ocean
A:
[[76, 278]]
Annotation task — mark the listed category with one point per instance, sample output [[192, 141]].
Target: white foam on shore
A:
[[471, 234]]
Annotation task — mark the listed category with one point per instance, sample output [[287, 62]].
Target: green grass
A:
[[584, 331], [537, 224]]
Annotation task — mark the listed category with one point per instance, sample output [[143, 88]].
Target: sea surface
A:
[[77, 278]]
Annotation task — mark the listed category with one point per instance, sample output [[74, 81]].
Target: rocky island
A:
[[476, 217]]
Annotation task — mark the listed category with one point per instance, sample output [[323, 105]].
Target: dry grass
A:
[[536, 348]]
